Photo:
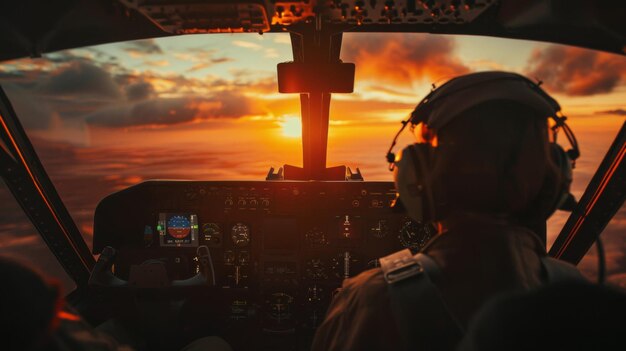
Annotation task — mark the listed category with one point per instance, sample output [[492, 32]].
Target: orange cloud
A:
[[170, 111], [402, 58], [577, 72], [616, 112]]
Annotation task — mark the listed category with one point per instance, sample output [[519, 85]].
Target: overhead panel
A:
[[191, 17], [380, 12]]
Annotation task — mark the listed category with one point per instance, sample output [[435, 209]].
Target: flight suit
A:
[[479, 257]]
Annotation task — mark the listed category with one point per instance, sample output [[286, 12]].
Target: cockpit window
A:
[[613, 243], [206, 107]]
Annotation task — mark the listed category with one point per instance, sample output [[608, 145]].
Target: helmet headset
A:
[[412, 168]]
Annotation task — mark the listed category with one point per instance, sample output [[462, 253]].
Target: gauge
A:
[[316, 269], [415, 235], [239, 309], [178, 227], [244, 258], [240, 235], [348, 228], [212, 234], [380, 229], [344, 265], [280, 307], [316, 237], [336, 267], [229, 257], [314, 294]]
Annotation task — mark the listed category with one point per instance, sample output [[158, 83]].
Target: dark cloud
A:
[[209, 63], [80, 78], [81, 90], [617, 112], [26, 79], [35, 116], [139, 91], [168, 111], [149, 112], [102, 55], [222, 60], [575, 71], [11, 76], [65, 56], [143, 47], [402, 58]]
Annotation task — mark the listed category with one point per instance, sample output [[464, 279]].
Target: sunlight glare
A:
[[291, 126]]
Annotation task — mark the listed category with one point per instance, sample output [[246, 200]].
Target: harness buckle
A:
[[400, 266]]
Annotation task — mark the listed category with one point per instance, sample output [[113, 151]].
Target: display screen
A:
[[178, 229]]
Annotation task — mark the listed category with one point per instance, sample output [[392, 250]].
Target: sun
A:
[[291, 126]]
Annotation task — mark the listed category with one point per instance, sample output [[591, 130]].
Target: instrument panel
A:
[[280, 249]]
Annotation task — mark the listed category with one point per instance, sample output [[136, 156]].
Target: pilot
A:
[[487, 173]]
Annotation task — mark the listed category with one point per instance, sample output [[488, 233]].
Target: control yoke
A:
[[150, 274]]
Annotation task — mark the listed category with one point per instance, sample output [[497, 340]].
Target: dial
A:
[[240, 235], [279, 307], [229, 257], [345, 265], [178, 226], [244, 258], [316, 237], [316, 269], [314, 294], [316, 298], [415, 235], [348, 228], [380, 229], [212, 234]]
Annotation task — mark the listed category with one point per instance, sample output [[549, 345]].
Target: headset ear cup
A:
[[564, 200], [411, 175]]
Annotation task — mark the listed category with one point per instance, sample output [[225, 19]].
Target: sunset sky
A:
[[207, 107]]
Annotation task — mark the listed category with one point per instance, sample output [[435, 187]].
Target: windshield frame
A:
[[31, 187]]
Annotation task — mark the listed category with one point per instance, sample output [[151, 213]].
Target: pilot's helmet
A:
[[484, 144]]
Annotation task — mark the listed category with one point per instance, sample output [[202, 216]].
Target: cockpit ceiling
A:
[[191, 17], [188, 16], [34, 27]]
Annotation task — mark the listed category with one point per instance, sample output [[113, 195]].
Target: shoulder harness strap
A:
[[422, 316]]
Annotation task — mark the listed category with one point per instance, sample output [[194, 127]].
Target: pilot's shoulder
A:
[[366, 286]]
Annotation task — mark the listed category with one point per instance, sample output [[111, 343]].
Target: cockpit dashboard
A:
[[279, 249]]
